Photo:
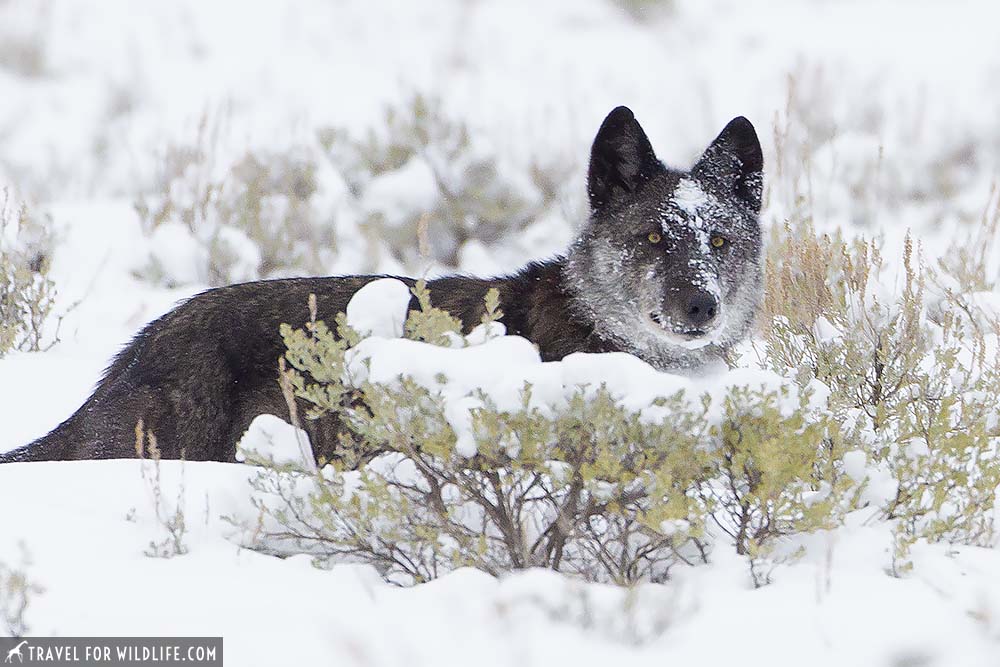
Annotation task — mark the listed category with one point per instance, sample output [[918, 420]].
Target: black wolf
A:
[[667, 267]]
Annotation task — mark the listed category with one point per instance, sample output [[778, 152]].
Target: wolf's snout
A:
[[699, 308]]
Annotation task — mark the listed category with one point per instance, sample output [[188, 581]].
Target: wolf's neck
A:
[[538, 305]]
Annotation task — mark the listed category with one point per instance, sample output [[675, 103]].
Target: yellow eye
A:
[[654, 237], [718, 241]]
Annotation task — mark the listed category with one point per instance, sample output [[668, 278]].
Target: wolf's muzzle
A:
[[700, 308]]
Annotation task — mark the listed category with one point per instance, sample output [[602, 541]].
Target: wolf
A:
[[667, 267]]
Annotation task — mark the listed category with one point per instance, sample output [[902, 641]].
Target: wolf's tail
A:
[[52, 447]]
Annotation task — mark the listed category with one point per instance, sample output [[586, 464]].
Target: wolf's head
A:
[[668, 264]]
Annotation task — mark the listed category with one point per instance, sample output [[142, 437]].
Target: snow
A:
[[177, 254], [379, 308], [689, 197], [500, 368], [837, 605], [906, 139], [241, 253], [272, 437], [400, 194]]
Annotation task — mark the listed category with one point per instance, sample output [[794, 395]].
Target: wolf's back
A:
[[55, 446], [197, 376]]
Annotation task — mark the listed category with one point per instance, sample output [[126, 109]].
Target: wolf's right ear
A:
[[620, 160], [734, 162]]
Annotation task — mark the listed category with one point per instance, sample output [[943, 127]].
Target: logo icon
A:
[[16, 651]]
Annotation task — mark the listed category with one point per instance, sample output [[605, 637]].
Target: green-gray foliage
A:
[[25, 39], [915, 382], [265, 198], [16, 593], [273, 201], [171, 519], [591, 489], [905, 380], [645, 10], [774, 474], [26, 291], [474, 199], [433, 325]]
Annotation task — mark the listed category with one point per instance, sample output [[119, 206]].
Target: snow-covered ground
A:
[[898, 104], [836, 607]]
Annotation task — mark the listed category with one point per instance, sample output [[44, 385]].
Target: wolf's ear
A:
[[620, 160], [734, 162]]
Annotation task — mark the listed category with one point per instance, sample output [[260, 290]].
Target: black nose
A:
[[700, 308]]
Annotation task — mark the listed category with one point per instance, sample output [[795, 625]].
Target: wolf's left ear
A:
[[621, 159], [735, 162]]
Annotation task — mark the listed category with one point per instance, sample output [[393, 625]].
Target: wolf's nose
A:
[[701, 308]]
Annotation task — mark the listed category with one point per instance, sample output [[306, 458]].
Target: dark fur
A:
[[198, 375]]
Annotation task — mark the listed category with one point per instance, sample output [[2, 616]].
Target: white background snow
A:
[[905, 95]]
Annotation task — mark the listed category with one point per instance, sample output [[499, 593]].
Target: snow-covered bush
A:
[[413, 191], [170, 516], [426, 188], [258, 217], [24, 38], [645, 10], [879, 397], [862, 162], [541, 466], [913, 373], [16, 593], [775, 473], [26, 292]]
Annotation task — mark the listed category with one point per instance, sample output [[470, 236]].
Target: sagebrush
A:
[[592, 489], [299, 210], [27, 292], [17, 590], [902, 378], [912, 372]]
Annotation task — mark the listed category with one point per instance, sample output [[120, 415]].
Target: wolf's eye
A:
[[719, 241], [654, 237]]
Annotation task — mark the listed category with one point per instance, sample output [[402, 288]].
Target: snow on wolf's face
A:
[[669, 262]]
